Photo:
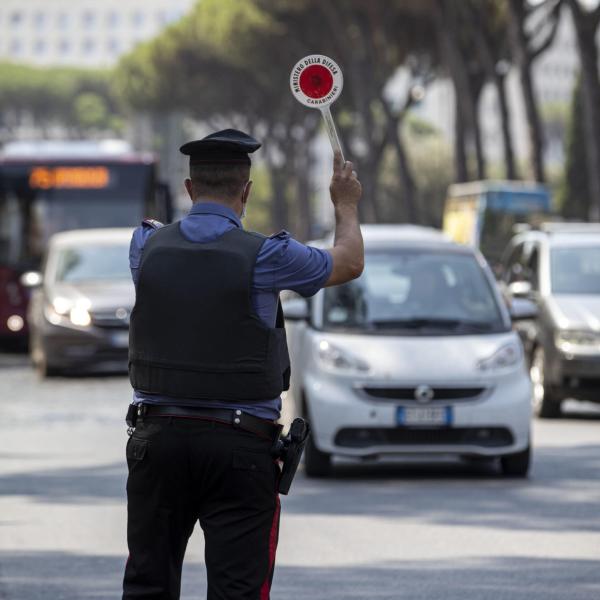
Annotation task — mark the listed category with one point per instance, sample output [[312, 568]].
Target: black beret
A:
[[227, 146]]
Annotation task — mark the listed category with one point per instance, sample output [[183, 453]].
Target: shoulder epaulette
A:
[[153, 223]]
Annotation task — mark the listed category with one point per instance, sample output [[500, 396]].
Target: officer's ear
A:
[[188, 187], [246, 193]]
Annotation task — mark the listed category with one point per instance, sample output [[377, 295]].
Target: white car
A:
[[417, 356]]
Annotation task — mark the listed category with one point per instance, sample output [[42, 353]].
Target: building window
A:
[[64, 47], [88, 18], [113, 46], [137, 18], [112, 19], [39, 47], [63, 20], [16, 18], [88, 46], [161, 17], [39, 20], [16, 47]]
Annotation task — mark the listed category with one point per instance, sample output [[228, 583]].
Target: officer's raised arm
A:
[[348, 252]]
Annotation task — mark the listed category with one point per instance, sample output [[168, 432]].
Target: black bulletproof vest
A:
[[194, 333]]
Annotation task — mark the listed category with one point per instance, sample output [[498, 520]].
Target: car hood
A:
[[576, 311], [101, 295], [441, 358]]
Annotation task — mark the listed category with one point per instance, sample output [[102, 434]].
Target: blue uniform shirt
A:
[[282, 264]]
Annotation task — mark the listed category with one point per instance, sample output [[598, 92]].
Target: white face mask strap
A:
[[245, 203]]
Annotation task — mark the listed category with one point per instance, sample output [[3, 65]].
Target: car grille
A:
[[440, 394], [108, 319], [488, 437]]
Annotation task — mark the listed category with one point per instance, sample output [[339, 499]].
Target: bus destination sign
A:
[[46, 178]]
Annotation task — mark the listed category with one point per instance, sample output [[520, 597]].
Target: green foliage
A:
[[75, 98], [574, 195]]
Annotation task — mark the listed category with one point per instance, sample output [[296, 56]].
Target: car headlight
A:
[[63, 311], [506, 357], [572, 341], [80, 314], [333, 358], [61, 305]]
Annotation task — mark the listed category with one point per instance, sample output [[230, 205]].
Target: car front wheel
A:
[[516, 465], [545, 405], [316, 463]]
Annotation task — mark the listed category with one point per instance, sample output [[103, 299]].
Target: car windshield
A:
[[420, 291], [575, 270], [91, 263]]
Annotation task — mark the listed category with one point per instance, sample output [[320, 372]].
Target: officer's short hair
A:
[[221, 179]]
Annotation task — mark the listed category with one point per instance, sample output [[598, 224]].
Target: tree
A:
[[528, 46], [586, 26], [55, 97], [574, 197], [488, 27]]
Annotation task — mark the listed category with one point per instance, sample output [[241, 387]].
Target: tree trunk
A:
[[447, 28], [517, 20], [476, 128], [509, 153], [586, 26], [485, 48], [461, 169], [407, 181]]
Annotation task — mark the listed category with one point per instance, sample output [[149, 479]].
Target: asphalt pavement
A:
[[403, 530]]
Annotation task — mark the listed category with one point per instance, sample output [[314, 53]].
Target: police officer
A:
[[208, 362]]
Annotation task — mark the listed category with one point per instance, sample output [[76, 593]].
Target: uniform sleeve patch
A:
[[152, 223]]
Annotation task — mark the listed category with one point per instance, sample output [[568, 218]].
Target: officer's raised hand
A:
[[348, 251]]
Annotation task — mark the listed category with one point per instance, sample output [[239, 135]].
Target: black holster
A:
[[289, 450]]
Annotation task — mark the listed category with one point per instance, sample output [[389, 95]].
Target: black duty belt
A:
[[238, 419]]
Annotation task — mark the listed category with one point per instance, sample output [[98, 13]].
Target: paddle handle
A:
[[331, 130]]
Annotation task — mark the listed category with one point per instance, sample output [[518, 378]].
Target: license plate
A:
[[421, 415], [121, 339]]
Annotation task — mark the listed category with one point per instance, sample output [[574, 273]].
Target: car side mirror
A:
[[522, 309], [519, 289], [295, 309], [31, 279]]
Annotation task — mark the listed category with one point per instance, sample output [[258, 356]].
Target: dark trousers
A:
[[186, 470]]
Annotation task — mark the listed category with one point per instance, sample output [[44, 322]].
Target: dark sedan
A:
[[81, 304]]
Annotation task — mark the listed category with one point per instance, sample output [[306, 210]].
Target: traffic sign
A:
[[316, 81]]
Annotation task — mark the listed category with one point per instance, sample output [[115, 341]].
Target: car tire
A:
[[516, 465], [316, 463], [545, 404]]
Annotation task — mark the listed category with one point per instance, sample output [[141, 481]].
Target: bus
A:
[[484, 214], [52, 186]]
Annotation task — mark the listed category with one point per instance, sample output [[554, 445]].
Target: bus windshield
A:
[[39, 200]]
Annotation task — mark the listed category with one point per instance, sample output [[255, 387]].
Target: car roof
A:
[[563, 234], [85, 237], [393, 236]]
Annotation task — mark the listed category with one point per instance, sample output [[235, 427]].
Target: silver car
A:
[[81, 303], [417, 356]]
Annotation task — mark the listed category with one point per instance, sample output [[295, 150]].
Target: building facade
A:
[[86, 33]]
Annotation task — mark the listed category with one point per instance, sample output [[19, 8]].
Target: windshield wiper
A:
[[422, 322], [416, 323]]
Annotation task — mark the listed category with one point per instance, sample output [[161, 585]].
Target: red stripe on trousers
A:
[[266, 586]]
